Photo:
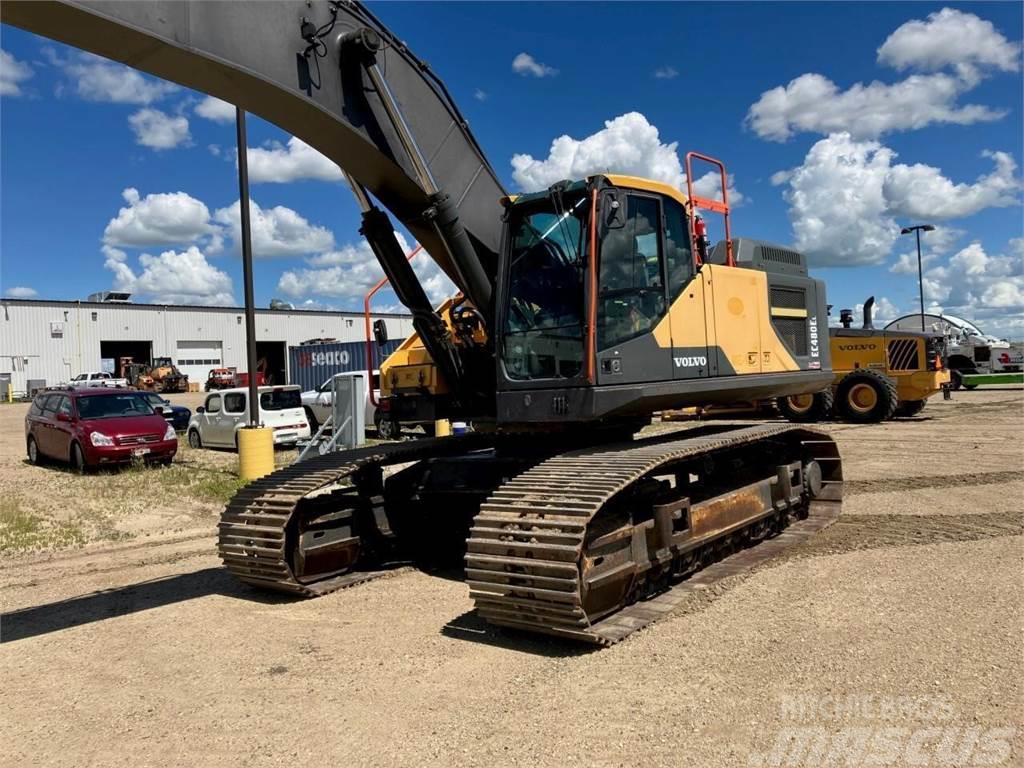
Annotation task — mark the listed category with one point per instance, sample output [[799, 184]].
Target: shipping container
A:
[[310, 365]]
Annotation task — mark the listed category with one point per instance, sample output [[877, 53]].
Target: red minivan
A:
[[92, 427]]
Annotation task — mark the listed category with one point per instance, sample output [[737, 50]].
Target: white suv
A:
[[216, 422]]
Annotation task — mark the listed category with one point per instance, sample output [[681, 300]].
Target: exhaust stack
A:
[[868, 325]]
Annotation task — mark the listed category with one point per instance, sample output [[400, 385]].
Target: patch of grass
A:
[[22, 531], [187, 480]]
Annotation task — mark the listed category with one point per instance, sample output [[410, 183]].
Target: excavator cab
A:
[[608, 311]]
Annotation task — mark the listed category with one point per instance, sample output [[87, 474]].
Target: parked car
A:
[[98, 379], [319, 403], [94, 426], [216, 422], [177, 416]]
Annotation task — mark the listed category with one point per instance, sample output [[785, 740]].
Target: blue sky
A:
[[839, 123]]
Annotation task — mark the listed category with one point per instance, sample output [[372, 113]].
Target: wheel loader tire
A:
[[806, 409], [908, 408], [387, 427], [866, 397]]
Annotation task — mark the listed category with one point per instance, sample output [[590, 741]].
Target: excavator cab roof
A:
[[617, 180]]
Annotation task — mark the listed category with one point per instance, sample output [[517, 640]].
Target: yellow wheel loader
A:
[[878, 374]]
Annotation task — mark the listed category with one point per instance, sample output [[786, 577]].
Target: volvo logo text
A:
[[690, 362]]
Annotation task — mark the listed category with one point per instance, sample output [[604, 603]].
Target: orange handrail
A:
[[366, 318], [709, 204]]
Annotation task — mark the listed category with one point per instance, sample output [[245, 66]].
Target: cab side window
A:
[[234, 402], [631, 296], [678, 258], [50, 405], [64, 405], [213, 404]]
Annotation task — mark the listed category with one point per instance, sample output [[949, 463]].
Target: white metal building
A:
[[55, 340]]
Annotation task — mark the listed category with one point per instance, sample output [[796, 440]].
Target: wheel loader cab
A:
[[605, 312]]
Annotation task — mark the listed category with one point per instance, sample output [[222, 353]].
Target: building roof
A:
[[198, 307]]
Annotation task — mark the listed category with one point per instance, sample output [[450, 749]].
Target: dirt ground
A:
[[892, 638]]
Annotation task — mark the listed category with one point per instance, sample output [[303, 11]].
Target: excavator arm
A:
[[331, 74]]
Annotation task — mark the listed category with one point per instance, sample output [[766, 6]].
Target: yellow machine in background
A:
[[878, 374]]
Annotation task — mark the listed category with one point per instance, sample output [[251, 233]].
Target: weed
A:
[[22, 531]]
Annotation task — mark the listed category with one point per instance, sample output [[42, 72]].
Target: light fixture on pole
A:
[[918, 229]]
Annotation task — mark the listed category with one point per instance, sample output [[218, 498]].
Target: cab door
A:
[[687, 291], [631, 300]]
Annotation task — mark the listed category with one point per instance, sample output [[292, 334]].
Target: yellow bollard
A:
[[442, 428], [255, 452]]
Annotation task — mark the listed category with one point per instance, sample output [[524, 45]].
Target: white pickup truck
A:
[[98, 379], [319, 403]]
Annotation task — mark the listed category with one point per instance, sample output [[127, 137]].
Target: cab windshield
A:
[[543, 334]]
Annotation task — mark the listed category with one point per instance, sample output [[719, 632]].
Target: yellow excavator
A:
[[584, 308]]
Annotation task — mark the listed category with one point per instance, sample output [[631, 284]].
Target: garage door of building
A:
[[196, 358]]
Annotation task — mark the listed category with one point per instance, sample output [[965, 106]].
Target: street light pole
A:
[[917, 229], [250, 303]]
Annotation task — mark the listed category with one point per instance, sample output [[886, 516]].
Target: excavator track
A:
[[560, 550], [270, 527]]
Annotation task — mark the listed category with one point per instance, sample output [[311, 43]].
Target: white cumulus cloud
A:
[[813, 103], [12, 74], [346, 274], [167, 218], [845, 197], [949, 38], [292, 162], [921, 191], [527, 66], [969, 46], [216, 110], [158, 130], [98, 79], [173, 277], [987, 289], [277, 231], [627, 145], [20, 292]]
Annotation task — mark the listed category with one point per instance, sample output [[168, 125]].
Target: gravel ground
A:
[[893, 637]]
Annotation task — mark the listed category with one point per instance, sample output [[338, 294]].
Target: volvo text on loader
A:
[[583, 309]]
